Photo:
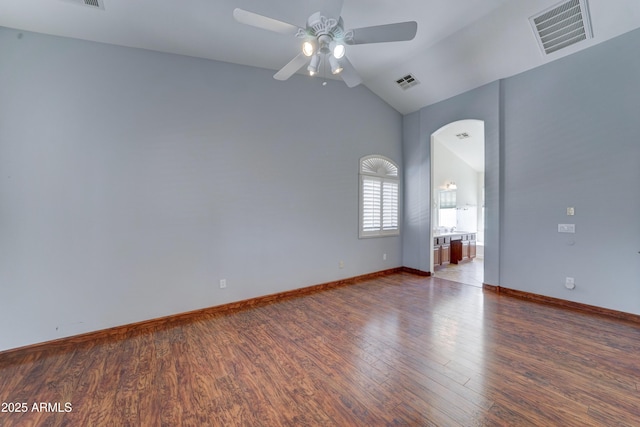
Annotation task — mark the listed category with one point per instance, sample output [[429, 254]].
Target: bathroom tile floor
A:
[[466, 272]]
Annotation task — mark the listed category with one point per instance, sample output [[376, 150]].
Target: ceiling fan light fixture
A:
[[336, 68], [338, 49], [308, 48], [313, 65], [324, 39]]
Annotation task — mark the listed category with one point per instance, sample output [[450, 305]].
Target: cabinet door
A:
[[465, 249], [445, 254], [472, 249], [456, 251], [436, 256]]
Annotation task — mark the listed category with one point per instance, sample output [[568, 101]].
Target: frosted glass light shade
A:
[[308, 48]]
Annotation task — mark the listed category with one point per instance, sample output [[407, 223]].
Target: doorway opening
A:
[[457, 202]]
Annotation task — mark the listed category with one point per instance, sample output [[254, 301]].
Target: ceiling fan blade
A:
[[349, 74], [292, 67], [264, 22], [331, 8], [401, 31]]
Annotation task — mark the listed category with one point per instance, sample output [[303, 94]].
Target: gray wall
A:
[[571, 133], [133, 181], [562, 135], [479, 104]]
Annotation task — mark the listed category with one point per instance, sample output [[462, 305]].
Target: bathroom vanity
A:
[[453, 247]]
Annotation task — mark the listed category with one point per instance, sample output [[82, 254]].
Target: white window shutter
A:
[[379, 197], [371, 203], [390, 206]]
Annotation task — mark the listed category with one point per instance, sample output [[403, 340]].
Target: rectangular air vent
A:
[[562, 25], [94, 4], [407, 82]]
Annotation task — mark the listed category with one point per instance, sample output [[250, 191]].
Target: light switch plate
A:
[[566, 228], [571, 211]]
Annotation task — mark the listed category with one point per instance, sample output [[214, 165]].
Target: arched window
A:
[[379, 197]]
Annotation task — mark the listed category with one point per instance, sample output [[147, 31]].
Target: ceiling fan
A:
[[324, 40]]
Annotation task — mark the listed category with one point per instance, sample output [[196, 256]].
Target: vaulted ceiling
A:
[[459, 45]]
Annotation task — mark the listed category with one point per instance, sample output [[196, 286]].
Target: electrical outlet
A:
[[571, 211], [570, 283], [223, 283]]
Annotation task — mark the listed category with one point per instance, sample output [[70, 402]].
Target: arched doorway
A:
[[457, 202]]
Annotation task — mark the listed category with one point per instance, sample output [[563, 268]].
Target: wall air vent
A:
[[562, 25], [463, 135], [94, 4], [407, 82]]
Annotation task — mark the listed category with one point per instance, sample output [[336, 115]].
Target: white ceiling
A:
[[470, 148], [460, 44]]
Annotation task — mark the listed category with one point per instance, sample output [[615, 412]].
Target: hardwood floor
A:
[[396, 350]]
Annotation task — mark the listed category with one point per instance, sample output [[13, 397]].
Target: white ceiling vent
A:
[[94, 4], [407, 82], [562, 25]]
